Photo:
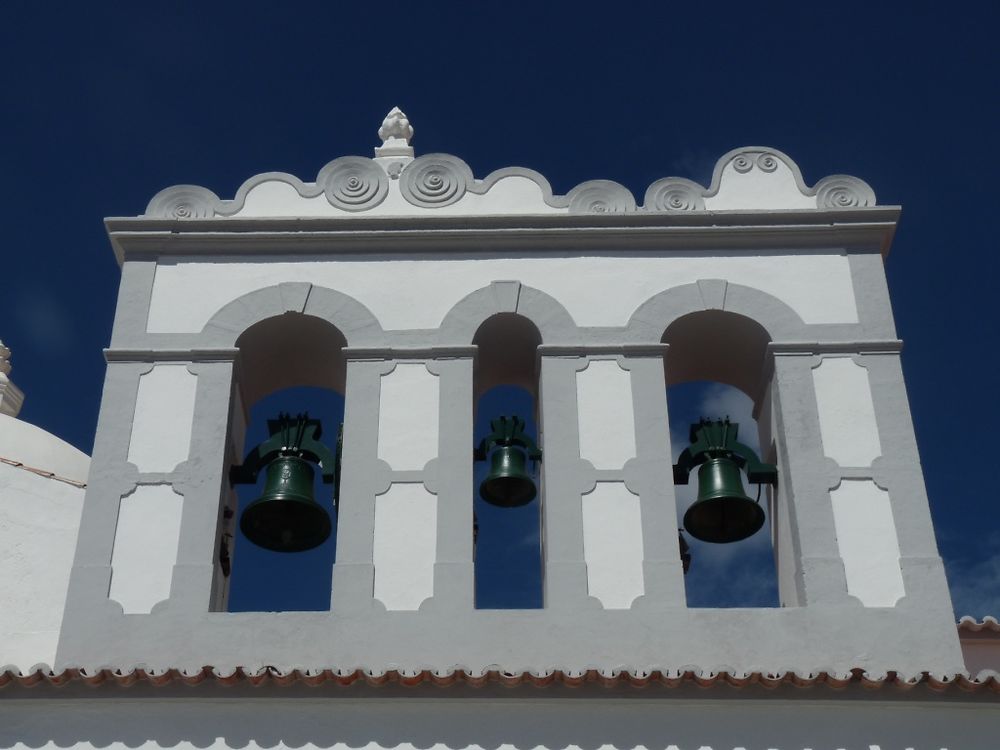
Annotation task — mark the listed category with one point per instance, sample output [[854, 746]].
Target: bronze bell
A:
[[723, 512], [286, 517], [508, 484]]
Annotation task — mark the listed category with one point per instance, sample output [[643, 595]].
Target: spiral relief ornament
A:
[[183, 202], [435, 180], [767, 162], [353, 183], [600, 197], [743, 163], [674, 194], [763, 160], [843, 191]]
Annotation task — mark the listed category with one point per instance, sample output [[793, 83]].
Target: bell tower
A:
[[411, 287]]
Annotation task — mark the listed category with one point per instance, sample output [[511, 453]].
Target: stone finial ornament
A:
[[11, 396], [395, 133]]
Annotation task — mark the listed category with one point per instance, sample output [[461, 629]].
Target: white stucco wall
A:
[[869, 547], [846, 412], [164, 414], [145, 551], [596, 290], [607, 422], [405, 545], [39, 521], [612, 545], [408, 417]]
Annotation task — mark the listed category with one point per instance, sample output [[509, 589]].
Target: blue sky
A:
[[105, 104]]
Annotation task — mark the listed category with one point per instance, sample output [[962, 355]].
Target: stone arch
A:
[[551, 319], [355, 321], [656, 314]]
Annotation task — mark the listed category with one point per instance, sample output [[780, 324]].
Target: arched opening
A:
[[715, 370], [291, 364], [508, 560]]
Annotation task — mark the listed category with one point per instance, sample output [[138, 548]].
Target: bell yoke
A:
[[722, 512], [286, 517]]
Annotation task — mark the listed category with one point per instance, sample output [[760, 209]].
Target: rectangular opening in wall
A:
[[739, 573], [266, 579], [508, 559]]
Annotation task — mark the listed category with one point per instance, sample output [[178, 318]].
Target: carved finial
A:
[[11, 397], [395, 133]]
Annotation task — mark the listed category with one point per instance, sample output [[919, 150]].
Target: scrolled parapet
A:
[[674, 194], [843, 191], [183, 202], [600, 196], [435, 180], [353, 183]]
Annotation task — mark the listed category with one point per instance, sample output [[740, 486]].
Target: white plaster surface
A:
[[146, 538], [408, 417], [607, 422], [869, 547], [612, 544], [164, 414], [405, 545], [846, 412], [513, 194], [187, 294], [757, 189], [39, 521], [699, 721]]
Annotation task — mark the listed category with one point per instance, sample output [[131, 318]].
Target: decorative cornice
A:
[[394, 184], [863, 230]]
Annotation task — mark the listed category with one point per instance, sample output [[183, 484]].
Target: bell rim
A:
[[760, 518], [325, 528]]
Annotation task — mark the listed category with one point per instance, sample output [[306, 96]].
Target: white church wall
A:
[[408, 417], [612, 545], [164, 413], [39, 521], [846, 412], [596, 290], [604, 404], [145, 551], [405, 545], [866, 538]]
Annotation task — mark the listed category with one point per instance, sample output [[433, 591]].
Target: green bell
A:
[[723, 512], [508, 484], [286, 517]]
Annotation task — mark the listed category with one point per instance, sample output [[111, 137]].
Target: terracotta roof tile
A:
[[987, 682], [970, 624]]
